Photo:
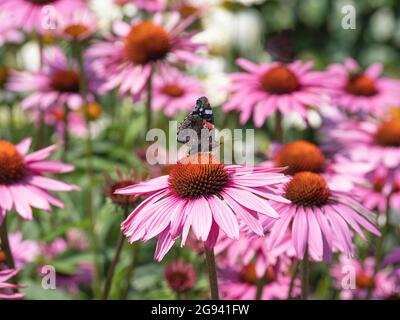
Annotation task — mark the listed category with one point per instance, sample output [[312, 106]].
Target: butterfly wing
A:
[[281, 46]]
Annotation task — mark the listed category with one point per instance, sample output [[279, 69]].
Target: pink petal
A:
[[252, 202], [300, 232], [224, 217], [202, 218]]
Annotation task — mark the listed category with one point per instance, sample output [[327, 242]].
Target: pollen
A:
[[361, 85], [198, 175], [12, 164], [388, 133], [279, 80], [146, 42], [66, 81], [307, 189], [300, 156]]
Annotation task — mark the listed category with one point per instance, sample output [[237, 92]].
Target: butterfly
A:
[[281, 46], [201, 118]]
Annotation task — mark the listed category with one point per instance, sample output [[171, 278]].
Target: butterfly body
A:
[[201, 118]]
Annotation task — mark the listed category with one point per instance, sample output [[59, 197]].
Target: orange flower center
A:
[[3, 76], [378, 184], [2, 256], [178, 281], [248, 274], [173, 90], [361, 85], [76, 30], [187, 10], [58, 114], [198, 175], [307, 189], [300, 156], [65, 81], [146, 42], [93, 111], [364, 281], [279, 80], [388, 133], [12, 164], [120, 199]]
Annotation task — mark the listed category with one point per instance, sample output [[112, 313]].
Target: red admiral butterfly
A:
[[201, 118]]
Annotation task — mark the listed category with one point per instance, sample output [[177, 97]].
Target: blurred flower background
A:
[[82, 81]]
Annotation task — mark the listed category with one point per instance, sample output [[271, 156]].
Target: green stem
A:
[[11, 120], [381, 244], [278, 127], [41, 133], [293, 279], [5, 246], [149, 112], [90, 172], [260, 287], [118, 251], [212, 273], [305, 276], [65, 134], [131, 269]]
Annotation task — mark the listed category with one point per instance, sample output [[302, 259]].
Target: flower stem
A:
[[65, 134], [118, 251], [293, 279], [41, 133], [149, 89], [131, 269], [278, 127], [11, 126], [212, 273], [89, 165], [381, 245], [305, 276], [260, 287], [5, 246]]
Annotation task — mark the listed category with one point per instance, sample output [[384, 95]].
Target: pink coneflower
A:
[[9, 32], [340, 172], [378, 143], [23, 251], [150, 5], [319, 218], [126, 60], [239, 282], [76, 26], [266, 88], [174, 92], [30, 16], [204, 195], [22, 183], [6, 289], [363, 91], [251, 248], [356, 278], [122, 181], [56, 84], [393, 259], [180, 277], [374, 194], [55, 117]]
